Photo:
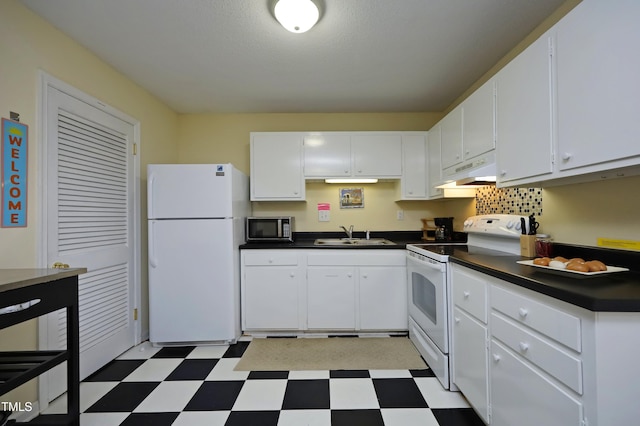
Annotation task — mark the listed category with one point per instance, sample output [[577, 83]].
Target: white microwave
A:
[[279, 228]]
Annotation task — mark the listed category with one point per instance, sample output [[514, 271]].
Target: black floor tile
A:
[[398, 393], [268, 375], [253, 418], [124, 396], [213, 396], [236, 351], [457, 417], [193, 369], [115, 371], [174, 352], [306, 394], [422, 373], [150, 419], [349, 374], [356, 418]]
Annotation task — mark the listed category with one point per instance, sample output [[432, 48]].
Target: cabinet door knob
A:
[[566, 156], [292, 275], [349, 274], [496, 358], [523, 312], [365, 276], [270, 260], [466, 294], [503, 172], [457, 320], [524, 346]]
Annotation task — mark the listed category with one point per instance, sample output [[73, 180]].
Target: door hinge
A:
[[135, 314], [135, 149]]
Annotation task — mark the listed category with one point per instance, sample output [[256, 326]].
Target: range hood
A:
[[477, 172]]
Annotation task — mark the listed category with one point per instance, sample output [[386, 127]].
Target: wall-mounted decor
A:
[[351, 198], [521, 201], [14, 174]]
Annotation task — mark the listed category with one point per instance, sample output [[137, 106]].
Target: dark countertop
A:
[[615, 292], [304, 240]]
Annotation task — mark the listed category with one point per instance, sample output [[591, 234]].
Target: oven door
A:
[[427, 280]]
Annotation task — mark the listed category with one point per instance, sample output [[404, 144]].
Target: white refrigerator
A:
[[196, 216]]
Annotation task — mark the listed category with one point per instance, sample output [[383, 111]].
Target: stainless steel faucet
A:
[[348, 231]]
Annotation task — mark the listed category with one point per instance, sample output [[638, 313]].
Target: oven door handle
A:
[[438, 266]]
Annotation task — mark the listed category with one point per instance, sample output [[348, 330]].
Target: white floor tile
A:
[[144, 350], [437, 397], [390, 374], [201, 418], [408, 417], [169, 396], [308, 374], [102, 419], [261, 395], [211, 351], [305, 417], [153, 370], [352, 394], [90, 393], [224, 370]]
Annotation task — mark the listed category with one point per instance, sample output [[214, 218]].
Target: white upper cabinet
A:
[[523, 114], [451, 138], [276, 167], [478, 130], [414, 166], [327, 155], [377, 155], [598, 85], [434, 167]]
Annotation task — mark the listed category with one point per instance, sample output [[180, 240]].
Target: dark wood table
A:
[[29, 293]]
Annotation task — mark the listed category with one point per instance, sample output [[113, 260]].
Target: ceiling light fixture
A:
[[297, 16]]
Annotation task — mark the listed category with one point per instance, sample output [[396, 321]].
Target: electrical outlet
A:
[[323, 216], [400, 214]]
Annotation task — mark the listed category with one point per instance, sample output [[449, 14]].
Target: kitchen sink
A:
[[352, 242]]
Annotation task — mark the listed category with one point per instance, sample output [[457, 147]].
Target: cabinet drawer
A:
[[352, 257], [559, 326], [551, 359], [268, 257], [521, 396], [470, 293]]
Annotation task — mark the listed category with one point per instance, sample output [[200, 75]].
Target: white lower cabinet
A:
[[331, 298], [323, 290], [271, 287], [382, 298], [522, 395], [470, 350]]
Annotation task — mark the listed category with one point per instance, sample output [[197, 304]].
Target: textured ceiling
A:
[[202, 56]]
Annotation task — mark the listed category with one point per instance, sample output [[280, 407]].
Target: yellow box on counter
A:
[[528, 245]]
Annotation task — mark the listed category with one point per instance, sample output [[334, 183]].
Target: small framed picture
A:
[[351, 198]]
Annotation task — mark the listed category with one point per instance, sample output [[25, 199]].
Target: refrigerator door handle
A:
[[150, 195], [153, 262]]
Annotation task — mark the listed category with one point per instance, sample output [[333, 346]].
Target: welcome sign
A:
[[14, 174]]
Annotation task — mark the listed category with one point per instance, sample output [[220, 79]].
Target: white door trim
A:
[[45, 81]]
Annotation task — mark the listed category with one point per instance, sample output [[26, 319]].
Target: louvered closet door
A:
[[90, 224]]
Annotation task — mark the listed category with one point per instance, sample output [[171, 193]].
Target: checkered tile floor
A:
[[194, 386]]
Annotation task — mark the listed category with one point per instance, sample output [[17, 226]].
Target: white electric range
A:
[[430, 302]]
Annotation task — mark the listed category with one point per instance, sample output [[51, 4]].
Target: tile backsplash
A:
[[522, 201]]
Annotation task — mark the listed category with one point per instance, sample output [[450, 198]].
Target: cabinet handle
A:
[[292, 275], [349, 275], [466, 294], [567, 156], [523, 312], [365, 276], [270, 260], [503, 172], [524, 346], [457, 320], [496, 358]]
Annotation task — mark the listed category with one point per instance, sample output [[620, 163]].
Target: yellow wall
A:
[[29, 44]]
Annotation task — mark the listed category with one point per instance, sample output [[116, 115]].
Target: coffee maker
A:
[[444, 228]]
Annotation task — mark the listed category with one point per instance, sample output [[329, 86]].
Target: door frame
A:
[[45, 81]]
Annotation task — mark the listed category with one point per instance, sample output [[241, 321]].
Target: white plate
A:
[[570, 273]]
